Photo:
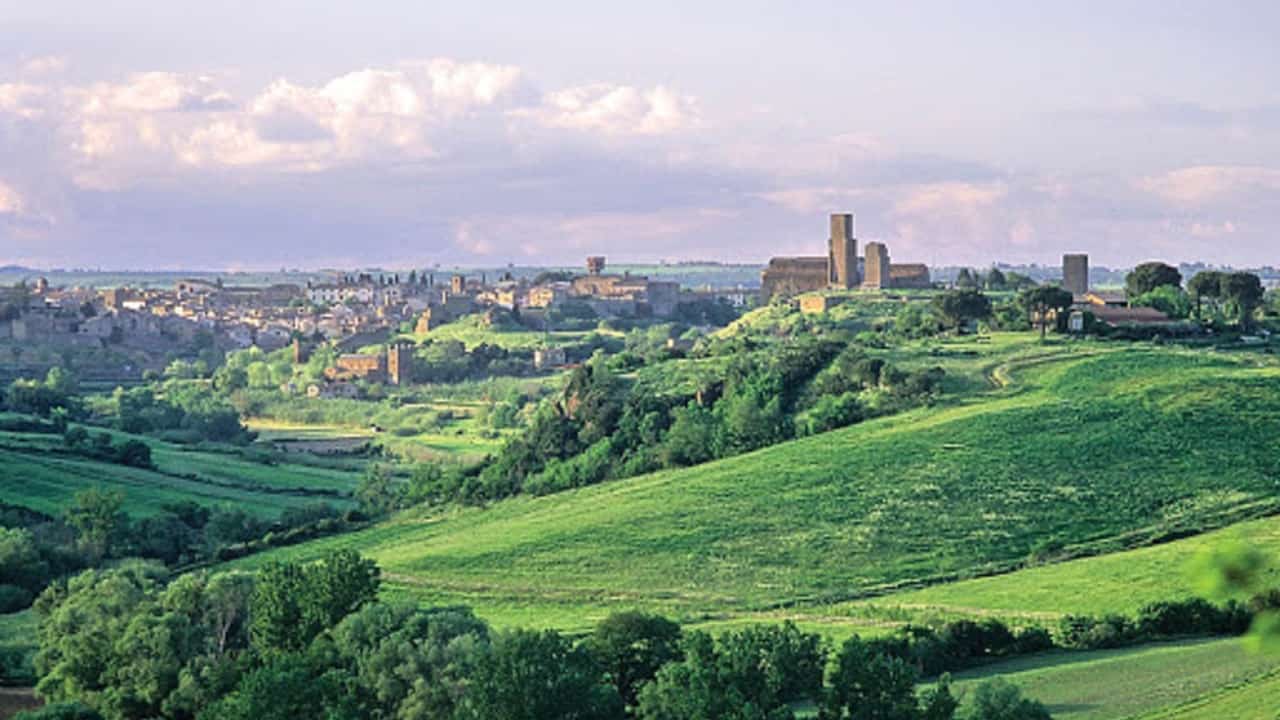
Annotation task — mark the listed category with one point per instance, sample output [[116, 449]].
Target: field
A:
[[1076, 451], [37, 473], [1114, 684]]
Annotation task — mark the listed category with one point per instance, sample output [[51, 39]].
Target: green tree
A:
[[408, 662], [1205, 284], [379, 493], [1168, 299], [1243, 293], [287, 687], [295, 602], [1040, 302], [959, 307], [538, 676], [632, 647], [1150, 275], [998, 699], [867, 685], [98, 519], [751, 674], [691, 438]]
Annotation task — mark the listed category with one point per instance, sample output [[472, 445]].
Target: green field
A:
[[36, 473], [1097, 449], [1115, 684]]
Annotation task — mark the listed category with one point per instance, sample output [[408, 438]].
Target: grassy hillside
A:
[[1095, 451], [1114, 684], [36, 472]]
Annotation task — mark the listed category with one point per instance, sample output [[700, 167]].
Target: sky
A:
[[315, 133]]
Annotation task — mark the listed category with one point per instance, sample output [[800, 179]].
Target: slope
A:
[[1085, 455]]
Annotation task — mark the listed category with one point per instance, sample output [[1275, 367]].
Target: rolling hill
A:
[[1078, 454], [37, 472]]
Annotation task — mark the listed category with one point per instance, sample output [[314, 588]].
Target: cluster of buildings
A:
[[842, 268]]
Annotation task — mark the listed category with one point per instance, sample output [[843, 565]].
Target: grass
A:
[[1098, 450], [18, 636], [35, 473], [1114, 684], [1120, 582], [1254, 699]]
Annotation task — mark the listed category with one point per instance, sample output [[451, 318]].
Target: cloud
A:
[[44, 65], [1204, 184], [616, 110], [10, 201], [443, 160]]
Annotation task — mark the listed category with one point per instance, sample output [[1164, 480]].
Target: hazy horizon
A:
[[232, 136]]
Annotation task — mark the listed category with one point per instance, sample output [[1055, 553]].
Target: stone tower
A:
[[842, 256], [458, 284], [400, 363], [877, 266], [1075, 274]]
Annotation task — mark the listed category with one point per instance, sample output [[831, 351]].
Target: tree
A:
[[751, 674], [1243, 293], [1040, 302], [1205, 284], [1168, 299], [288, 687], [632, 647], [98, 519], [408, 662], [83, 621], [958, 307], [379, 493], [996, 279], [998, 699], [691, 438], [538, 676], [966, 279], [867, 685], [295, 602], [134, 453], [1150, 275]]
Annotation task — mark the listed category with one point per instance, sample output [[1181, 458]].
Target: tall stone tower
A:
[[842, 256], [877, 266], [400, 363], [1075, 273]]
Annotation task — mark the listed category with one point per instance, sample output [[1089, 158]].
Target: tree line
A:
[[311, 640]]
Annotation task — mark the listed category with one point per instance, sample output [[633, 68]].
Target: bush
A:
[[14, 598]]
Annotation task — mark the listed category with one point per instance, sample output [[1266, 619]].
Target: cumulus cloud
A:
[[446, 160], [616, 110]]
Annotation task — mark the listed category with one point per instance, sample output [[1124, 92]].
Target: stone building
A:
[[1075, 274], [400, 363], [841, 268]]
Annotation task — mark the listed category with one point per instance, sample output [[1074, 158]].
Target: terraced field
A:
[[1082, 451]]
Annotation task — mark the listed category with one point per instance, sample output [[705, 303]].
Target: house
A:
[[550, 357]]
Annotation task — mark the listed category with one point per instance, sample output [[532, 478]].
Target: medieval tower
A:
[[1075, 274], [400, 363], [842, 256], [877, 266]]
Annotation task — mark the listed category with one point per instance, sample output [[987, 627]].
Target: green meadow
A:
[[36, 472], [1076, 451]]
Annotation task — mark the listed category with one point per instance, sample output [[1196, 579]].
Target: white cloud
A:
[[10, 202], [616, 110], [1194, 186]]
